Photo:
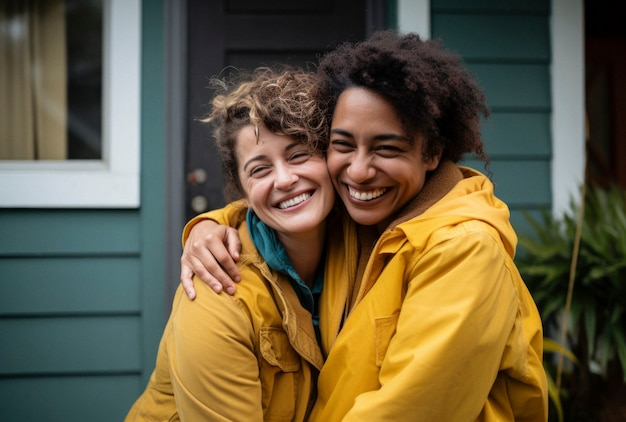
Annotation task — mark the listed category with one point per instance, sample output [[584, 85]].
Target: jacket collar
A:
[[297, 321], [439, 182]]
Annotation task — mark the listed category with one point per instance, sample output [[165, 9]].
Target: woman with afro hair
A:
[[430, 319]]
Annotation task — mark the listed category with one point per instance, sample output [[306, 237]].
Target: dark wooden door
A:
[[247, 34]]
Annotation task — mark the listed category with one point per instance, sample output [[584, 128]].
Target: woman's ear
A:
[[433, 162]]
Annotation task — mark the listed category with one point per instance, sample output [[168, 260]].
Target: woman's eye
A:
[[259, 171], [300, 156], [388, 150], [341, 145]]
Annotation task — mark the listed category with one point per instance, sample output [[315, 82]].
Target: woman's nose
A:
[[360, 168], [285, 177]]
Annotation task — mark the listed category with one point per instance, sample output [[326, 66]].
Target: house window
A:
[[69, 91], [51, 79]]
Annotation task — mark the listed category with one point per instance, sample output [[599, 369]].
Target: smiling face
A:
[[286, 185], [375, 167]]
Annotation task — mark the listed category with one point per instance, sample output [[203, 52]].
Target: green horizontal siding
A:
[[495, 37], [70, 345], [514, 87], [58, 232], [70, 314], [74, 285], [67, 399], [486, 6], [511, 134], [506, 45], [519, 183]]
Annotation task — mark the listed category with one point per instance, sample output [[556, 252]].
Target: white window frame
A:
[[414, 16], [112, 182], [568, 102]]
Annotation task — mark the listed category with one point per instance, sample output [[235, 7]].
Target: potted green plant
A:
[[585, 301]]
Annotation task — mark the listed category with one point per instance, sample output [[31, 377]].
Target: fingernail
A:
[[230, 290]]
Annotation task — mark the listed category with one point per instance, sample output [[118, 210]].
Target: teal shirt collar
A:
[[275, 256]]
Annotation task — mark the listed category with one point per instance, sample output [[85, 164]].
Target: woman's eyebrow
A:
[[253, 159], [342, 132], [391, 137], [379, 137], [263, 157], [293, 145]]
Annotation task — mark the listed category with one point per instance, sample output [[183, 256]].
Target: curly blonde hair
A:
[[284, 100]]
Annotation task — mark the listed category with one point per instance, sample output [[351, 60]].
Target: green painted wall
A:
[[507, 46], [70, 313], [82, 291]]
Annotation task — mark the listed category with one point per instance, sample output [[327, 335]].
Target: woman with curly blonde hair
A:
[[263, 340]]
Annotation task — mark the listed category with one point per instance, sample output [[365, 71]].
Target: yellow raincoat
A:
[[248, 357], [441, 327], [437, 325]]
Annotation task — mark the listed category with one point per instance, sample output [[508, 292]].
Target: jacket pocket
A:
[[276, 349], [385, 329], [280, 369]]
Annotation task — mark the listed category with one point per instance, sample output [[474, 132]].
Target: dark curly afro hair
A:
[[428, 87]]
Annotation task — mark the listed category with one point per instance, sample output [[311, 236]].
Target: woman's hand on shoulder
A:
[[211, 252]]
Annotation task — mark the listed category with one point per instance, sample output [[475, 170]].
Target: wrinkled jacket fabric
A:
[[248, 357], [441, 326]]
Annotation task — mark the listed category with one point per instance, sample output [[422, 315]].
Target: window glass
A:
[[84, 79], [51, 79]]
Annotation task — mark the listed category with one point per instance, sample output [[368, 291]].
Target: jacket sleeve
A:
[[213, 365], [231, 215], [453, 327]]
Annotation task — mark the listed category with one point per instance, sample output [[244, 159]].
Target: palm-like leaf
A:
[[598, 308]]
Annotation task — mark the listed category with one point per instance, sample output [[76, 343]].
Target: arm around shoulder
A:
[[231, 215], [211, 249]]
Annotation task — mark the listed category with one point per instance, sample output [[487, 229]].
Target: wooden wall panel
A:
[[519, 183], [495, 37], [507, 47], [58, 232], [70, 345], [70, 398], [514, 86], [38, 286], [491, 6], [518, 134]]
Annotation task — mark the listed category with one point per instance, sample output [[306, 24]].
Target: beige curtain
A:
[[33, 93]]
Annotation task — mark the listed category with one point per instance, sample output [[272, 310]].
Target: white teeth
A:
[[367, 195], [294, 201]]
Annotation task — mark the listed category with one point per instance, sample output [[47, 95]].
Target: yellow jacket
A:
[[441, 327], [248, 357]]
